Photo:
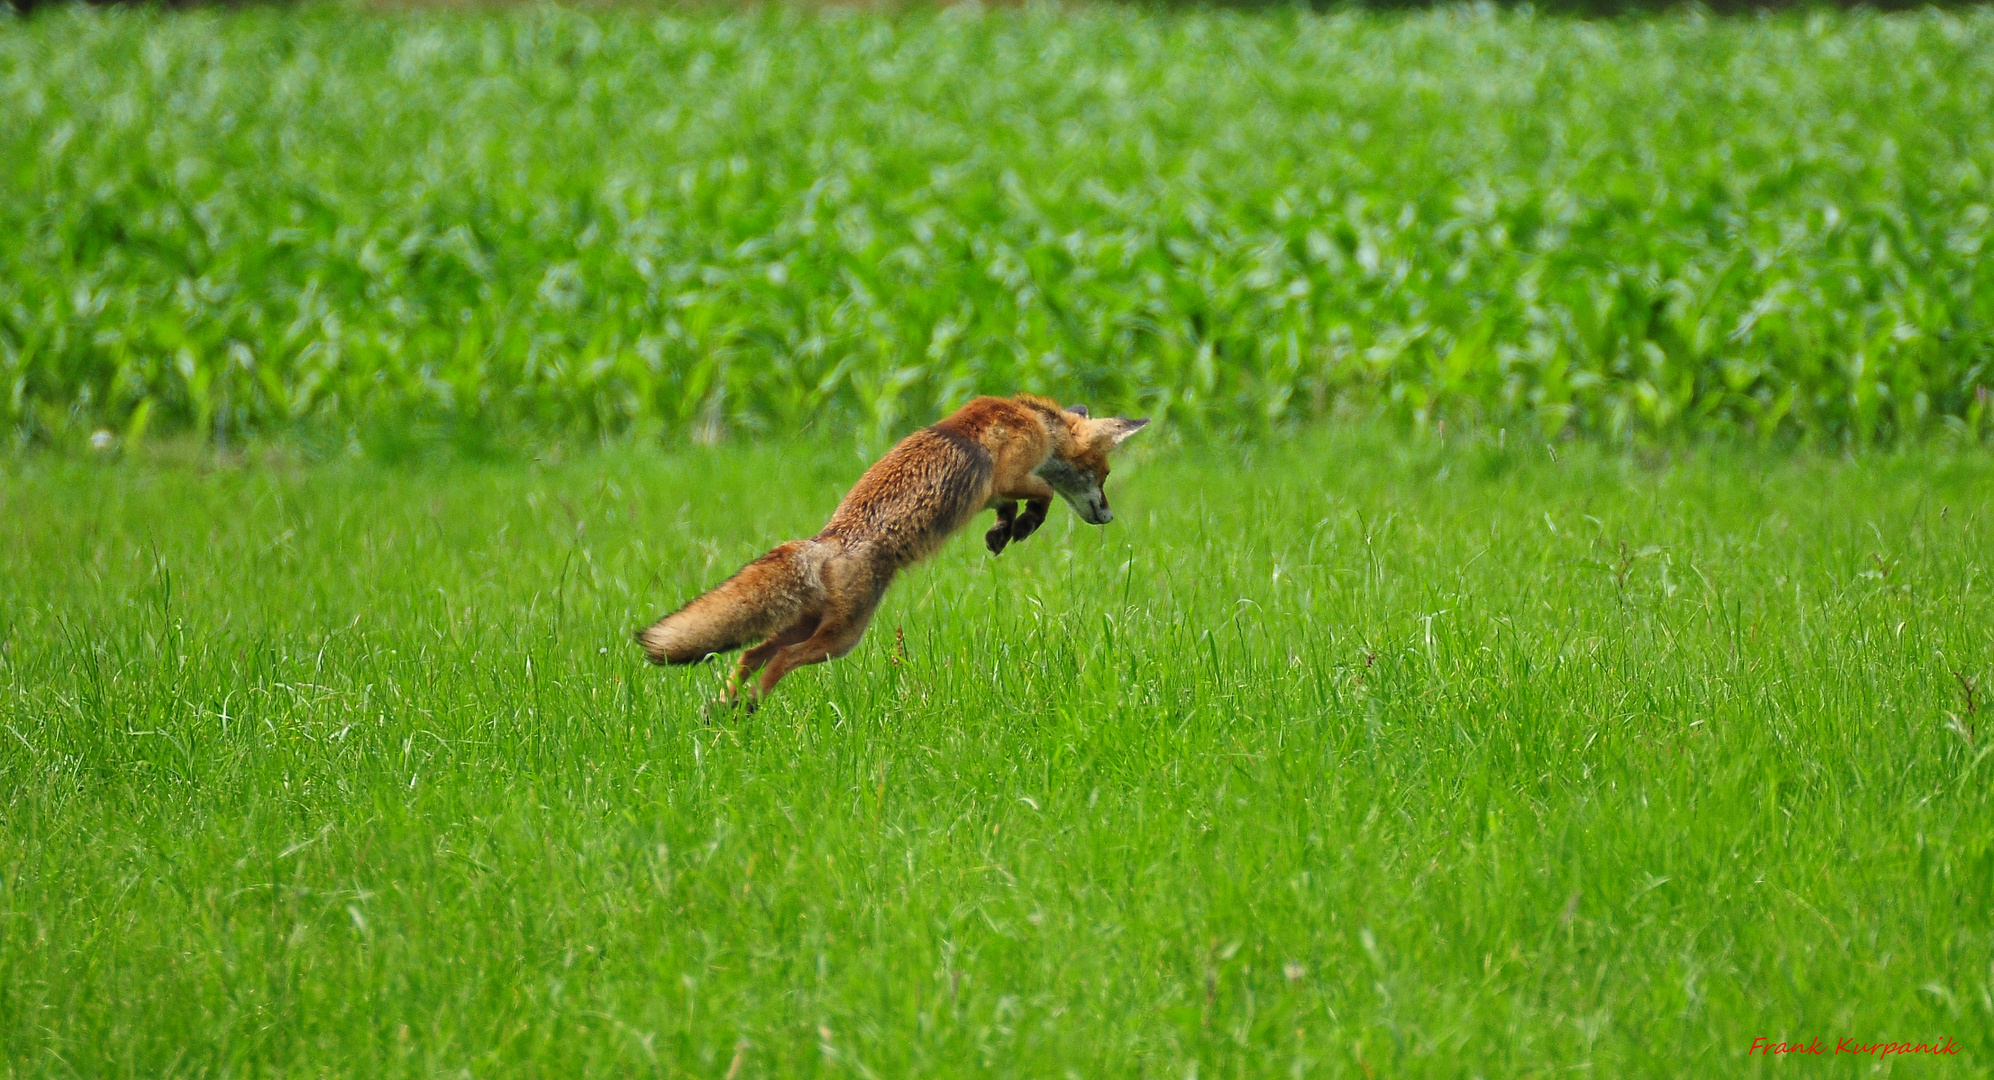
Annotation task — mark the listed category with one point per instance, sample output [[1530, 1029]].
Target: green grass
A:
[[1339, 757], [494, 222]]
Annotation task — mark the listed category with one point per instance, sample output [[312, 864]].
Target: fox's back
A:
[[925, 488]]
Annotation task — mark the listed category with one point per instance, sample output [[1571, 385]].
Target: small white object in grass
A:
[[1294, 971], [102, 440]]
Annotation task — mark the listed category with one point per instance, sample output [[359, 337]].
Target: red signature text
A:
[[1770, 1047]]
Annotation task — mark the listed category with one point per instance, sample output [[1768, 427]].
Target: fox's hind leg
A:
[[758, 657], [844, 624], [1002, 532], [832, 640]]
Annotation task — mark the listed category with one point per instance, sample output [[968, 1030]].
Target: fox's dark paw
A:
[[1028, 522], [1000, 533]]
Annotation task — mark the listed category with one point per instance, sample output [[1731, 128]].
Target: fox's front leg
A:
[[1028, 522], [1000, 533], [1038, 499]]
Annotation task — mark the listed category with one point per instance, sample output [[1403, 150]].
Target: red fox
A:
[[809, 601]]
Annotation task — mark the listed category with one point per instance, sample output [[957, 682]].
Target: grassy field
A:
[[1368, 751], [1339, 757], [483, 222]]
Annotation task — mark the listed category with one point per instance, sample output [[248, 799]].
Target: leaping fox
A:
[[809, 601]]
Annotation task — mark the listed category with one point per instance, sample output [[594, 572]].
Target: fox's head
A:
[[1078, 464]]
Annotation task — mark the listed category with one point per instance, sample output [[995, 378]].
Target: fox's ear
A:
[[1118, 429], [1077, 410]]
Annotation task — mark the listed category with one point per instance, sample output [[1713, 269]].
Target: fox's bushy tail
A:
[[764, 597]]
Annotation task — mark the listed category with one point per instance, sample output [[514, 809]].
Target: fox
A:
[[809, 601]]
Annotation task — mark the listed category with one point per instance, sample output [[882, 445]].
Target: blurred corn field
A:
[[699, 222]]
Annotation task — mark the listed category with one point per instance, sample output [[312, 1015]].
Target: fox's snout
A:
[[1092, 506]]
